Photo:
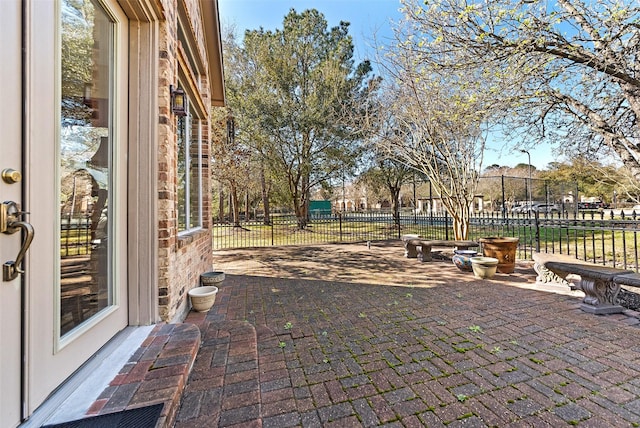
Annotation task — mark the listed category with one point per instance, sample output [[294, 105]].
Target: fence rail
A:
[[594, 237]]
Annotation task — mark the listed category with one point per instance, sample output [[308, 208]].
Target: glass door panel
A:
[[86, 135]]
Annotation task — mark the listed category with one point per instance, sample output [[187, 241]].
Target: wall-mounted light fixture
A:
[[178, 101]]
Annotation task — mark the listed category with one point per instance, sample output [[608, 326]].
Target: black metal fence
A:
[[597, 237], [75, 236]]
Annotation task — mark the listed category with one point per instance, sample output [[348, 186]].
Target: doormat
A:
[[142, 417]]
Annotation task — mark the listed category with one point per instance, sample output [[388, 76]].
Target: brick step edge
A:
[[156, 373], [224, 385]]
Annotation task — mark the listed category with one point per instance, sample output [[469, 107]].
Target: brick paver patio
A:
[[349, 336]]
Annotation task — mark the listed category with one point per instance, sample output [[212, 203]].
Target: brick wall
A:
[[182, 257]]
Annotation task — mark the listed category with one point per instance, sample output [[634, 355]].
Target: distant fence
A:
[[503, 193], [595, 237]]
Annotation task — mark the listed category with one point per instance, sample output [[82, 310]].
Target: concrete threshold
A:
[[150, 365], [73, 399]]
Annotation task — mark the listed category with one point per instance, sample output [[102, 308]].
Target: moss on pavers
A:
[[447, 350], [233, 396]]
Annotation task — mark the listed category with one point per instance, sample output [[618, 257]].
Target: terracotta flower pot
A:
[[503, 249]]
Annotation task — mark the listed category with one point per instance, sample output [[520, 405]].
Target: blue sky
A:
[[367, 17]]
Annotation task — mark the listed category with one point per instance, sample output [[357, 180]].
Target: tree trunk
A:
[[303, 218], [395, 204], [265, 197], [307, 214], [235, 206], [460, 229], [301, 215], [461, 220], [301, 204], [246, 207], [220, 203]]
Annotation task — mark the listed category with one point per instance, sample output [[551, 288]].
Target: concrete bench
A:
[[598, 283], [628, 279], [409, 241], [545, 275], [421, 248]]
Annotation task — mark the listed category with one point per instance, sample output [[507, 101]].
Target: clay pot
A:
[[214, 278], [503, 249], [202, 298], [484, 267]]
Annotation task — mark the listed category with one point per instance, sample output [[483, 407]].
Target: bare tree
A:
[[428, 124], [389, 174], [627, 185], [567, 72]]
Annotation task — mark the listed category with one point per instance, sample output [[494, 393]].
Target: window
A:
[[189, 131]]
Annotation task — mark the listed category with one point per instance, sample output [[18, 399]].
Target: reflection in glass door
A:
[[86, 146]]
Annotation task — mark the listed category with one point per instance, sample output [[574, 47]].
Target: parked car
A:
[[524, 207], [545, 208], [598, 205]]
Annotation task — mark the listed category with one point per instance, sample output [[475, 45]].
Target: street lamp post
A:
[[529, 186]]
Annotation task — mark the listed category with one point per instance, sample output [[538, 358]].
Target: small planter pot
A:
[[202, 298], [484, 267], [462, 259], [214, 278]]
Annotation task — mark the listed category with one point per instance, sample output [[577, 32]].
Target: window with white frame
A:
[[189, 130]]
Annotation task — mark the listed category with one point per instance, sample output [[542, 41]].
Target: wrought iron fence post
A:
[[504, 202], [537, 237], [340, 220], [446, 225], [271, 223], [415, 201]]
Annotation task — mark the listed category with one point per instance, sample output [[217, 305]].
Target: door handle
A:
[[10, 223]]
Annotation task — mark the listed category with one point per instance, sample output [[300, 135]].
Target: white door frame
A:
[[49, 359], [11, 148], [140, 215]]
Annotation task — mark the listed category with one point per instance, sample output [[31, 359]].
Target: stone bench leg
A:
[[601, 296], [546, 276], [424, 253], [410, 250]]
